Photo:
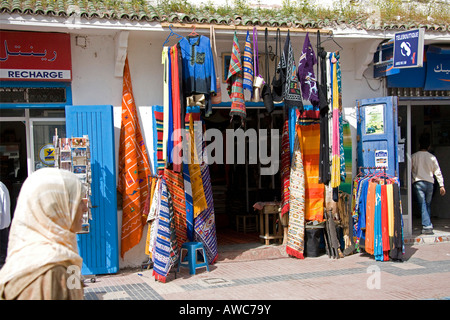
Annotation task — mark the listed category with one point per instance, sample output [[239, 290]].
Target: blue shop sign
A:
[[408, 48], [438, 68]]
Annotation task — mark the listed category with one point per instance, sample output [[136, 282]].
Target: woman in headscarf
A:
[[43, 260]]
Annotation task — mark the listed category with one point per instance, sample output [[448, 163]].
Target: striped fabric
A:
[[336, 155], [296, 229], [158, 121], [195, 175], [346, 185], [176, 107], [151, 215], [134, 169], [309, 138], [189, 203], [175, 187], [285, 168], [248, 64], [165, 253], [235, 82], [205, 225]]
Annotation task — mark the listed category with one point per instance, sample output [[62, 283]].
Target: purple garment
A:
[[306, 76]]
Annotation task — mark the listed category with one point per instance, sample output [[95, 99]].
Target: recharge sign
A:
[[408, 48], [41, 56]]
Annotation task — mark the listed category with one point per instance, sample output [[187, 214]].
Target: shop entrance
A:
[[237, 187], [433, 118], [13, 157]]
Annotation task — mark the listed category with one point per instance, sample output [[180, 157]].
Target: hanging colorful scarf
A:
[[204, 223], [377, 239], [285, 168], [370, 216], [309, 139], [205, 226], [189, 202], [176, 108], [307, 79], [341, 119], [165, 253], [292, 94], [385, 222], [336, 155], [152, 219], [195, 175], [134, 169], [390, 200], [166, 101], [149, 219], [175, 187], [296, 229], [158, 128], [345, 185], [248, 65], [235, 82]]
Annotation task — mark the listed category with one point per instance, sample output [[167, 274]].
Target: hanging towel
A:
[[285, 168], [296, 229], [235, 82], [248, 65], [134, 169], [165, 253], [292, 94], [306, 76]]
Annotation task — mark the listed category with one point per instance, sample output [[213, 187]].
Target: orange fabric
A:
[[134, 169], [309, 138], [370, 215]]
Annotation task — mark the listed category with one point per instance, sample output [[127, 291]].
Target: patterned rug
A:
[[296, 229]]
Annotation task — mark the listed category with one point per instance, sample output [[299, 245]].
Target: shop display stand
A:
[[74, 155]]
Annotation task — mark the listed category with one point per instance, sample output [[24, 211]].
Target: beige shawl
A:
[[40, 234]]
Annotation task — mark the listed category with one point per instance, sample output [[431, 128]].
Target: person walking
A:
[[425, 167], [43, 261]]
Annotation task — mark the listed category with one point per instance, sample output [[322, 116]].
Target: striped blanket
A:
[[134, 169], [309, 138], [165, 253], [248, 64], [285, 168], [296, 229], [158, 119], [235, 82], [175, 187]]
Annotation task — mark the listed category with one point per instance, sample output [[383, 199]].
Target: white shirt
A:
[[5, 205], [424, 166]]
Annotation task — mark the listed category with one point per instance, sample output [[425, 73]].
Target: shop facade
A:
[[89, 101]]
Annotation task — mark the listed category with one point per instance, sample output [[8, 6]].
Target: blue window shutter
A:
[[100, 247]]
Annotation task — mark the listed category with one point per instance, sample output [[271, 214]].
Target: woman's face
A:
[[78, 221]]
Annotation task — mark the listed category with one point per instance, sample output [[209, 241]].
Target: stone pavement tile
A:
[[425, 274]]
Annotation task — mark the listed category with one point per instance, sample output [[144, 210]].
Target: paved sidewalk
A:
[[424, 274]]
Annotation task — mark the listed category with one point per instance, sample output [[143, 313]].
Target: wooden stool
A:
[[249, 223], [269, 212]]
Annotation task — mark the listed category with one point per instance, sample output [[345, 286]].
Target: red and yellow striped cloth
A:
[[134, 169]]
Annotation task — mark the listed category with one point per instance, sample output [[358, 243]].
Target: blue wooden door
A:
[[100, 247], [377, 133]]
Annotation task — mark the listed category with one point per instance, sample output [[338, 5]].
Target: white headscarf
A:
[[40, 230]]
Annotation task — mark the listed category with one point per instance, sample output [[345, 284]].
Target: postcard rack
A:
[[73, 154]]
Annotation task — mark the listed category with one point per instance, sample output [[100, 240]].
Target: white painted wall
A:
[[94, 83]]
